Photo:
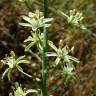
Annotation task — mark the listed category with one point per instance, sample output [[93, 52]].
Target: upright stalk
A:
[[44, 59]]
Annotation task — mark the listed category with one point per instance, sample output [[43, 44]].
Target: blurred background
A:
[[12, 36]]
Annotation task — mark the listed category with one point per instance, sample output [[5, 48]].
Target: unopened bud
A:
[[61, 43]]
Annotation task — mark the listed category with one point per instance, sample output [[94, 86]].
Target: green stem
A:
[[44, 59], [45, 8]]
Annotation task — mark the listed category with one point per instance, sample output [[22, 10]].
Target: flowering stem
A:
[[44, 59]]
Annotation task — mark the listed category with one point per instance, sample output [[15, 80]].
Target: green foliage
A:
[[36, 38], [65, 60], [61, 54], [14, 63], [69, 73], [36, 20], [74, 18], [18, 91]]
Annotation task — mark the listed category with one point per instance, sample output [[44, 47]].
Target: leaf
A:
[[30, 91], [47, 20], [62, 14], [23, 61], [28, 19], [47, 25], [25, 24], [73, 59], [5, 72], [21, 70], [39, 45], [65, 50], [57, 61], [20, 58], [28, 39], [52, 45], [50, 54], [29, 46], [9, 74]]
